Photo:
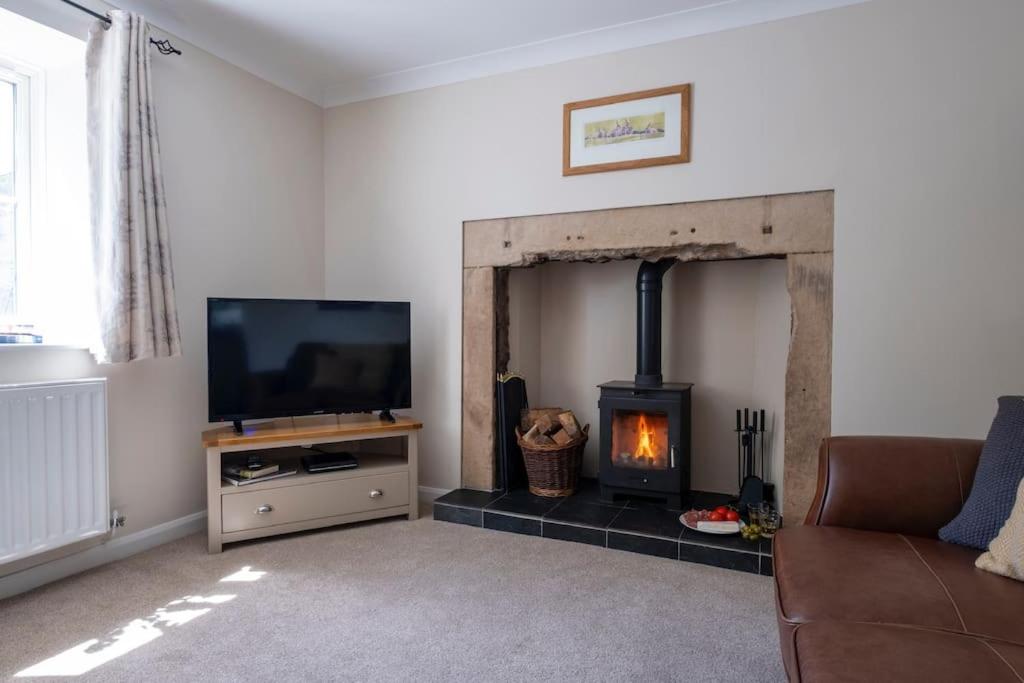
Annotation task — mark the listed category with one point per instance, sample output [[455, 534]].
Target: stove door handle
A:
[[672, 456]]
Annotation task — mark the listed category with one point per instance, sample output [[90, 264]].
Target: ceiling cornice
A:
[[724, 15]]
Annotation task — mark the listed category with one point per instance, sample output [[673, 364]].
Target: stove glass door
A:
[[640, 440]]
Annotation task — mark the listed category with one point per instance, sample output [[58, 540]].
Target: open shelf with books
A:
[[291, 459]]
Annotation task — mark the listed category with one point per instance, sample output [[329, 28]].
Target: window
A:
[[46, 284], [17, 141], [13, 139]]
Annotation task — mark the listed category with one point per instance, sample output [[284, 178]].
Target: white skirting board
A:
[[118, 548], [429, 493], [124, 546]]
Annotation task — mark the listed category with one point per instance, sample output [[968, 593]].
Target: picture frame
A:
[[632, 130]]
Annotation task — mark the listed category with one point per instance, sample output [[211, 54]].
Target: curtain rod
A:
[[164, 46]]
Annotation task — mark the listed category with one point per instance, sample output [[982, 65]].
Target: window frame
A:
[[29, 176]]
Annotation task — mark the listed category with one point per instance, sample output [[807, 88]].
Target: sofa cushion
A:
[[1006, 551], [924, 485], [832, 573], [989, 605], [1000, 469], [827, 651]]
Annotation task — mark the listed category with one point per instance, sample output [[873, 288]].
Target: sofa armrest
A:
[[908, 485]]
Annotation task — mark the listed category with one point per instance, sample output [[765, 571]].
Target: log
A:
[[531, 415], [561, 437], [535, 437], [569, 424], [548, 425], [531, 434]]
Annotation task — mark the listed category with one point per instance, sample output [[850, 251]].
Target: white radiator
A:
[[53, 465]]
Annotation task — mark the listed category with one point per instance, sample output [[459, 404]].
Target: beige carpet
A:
[[386, 601]]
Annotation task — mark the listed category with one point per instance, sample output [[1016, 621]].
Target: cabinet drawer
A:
[[286, 504]]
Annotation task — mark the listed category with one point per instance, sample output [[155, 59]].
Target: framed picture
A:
[[647, 128]]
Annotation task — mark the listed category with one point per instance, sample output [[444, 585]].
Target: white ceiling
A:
[[332, 52]]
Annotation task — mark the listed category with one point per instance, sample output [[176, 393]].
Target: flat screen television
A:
[[287, 357]]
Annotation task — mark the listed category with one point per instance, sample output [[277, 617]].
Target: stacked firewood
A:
[[549, 426]]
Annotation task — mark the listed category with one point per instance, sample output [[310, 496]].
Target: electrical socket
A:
[[117, 519]]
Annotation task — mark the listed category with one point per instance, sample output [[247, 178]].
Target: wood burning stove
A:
[[645, 441], [645, 424]]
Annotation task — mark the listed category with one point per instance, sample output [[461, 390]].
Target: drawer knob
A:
[[376, 493], [264, 509]]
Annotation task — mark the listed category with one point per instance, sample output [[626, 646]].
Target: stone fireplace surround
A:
[[796, 227]]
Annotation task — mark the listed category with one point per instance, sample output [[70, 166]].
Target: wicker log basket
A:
[[553, 471]]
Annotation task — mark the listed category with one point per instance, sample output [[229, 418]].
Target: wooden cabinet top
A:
[[290, 429]]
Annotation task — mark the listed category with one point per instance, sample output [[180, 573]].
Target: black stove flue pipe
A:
[[648, 321]]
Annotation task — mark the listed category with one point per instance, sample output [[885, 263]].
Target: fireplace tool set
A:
[[750, 458]]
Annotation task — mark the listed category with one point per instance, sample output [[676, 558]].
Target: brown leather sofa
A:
[[864, 589]]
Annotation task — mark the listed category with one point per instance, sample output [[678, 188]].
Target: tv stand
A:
[[386, 416], [384, 484], [237, 426]]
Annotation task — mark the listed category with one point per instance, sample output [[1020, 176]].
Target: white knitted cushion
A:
[[1006, 551]]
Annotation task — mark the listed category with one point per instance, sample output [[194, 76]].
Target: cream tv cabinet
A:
[[384, 484]]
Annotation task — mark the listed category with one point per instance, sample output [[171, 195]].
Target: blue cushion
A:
[[1000, 470]]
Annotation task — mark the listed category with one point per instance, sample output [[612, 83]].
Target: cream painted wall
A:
[[725, 329], [771, 333], [909, 109], [243, 167]]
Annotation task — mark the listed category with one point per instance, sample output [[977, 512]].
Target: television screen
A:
[[280, 357]]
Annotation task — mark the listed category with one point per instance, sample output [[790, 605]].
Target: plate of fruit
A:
[[722, 520]]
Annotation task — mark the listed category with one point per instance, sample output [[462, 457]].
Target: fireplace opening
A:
[[725, 327]]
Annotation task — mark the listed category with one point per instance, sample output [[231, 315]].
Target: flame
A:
[[645, 441]]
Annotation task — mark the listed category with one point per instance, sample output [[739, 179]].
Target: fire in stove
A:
[[640, 440]]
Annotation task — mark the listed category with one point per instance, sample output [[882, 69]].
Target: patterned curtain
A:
[[131, 246]]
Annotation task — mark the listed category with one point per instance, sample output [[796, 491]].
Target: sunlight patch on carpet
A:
[[244, 574], [86, 656]]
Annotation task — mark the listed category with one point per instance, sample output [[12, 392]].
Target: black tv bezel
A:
[[268, 415]]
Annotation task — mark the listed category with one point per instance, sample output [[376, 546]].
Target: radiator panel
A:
[[53, 466]]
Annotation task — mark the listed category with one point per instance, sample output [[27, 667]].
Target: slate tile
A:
[[719, 557], [576, 534], [523, 503], [649, 520], [583, 512], [646, 545], [469, 498], [518, 525], [458, 515]]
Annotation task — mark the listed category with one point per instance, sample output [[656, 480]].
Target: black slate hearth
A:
[[624, 525]]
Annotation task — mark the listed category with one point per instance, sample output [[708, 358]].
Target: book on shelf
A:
[[235, 480], [250, 471]]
